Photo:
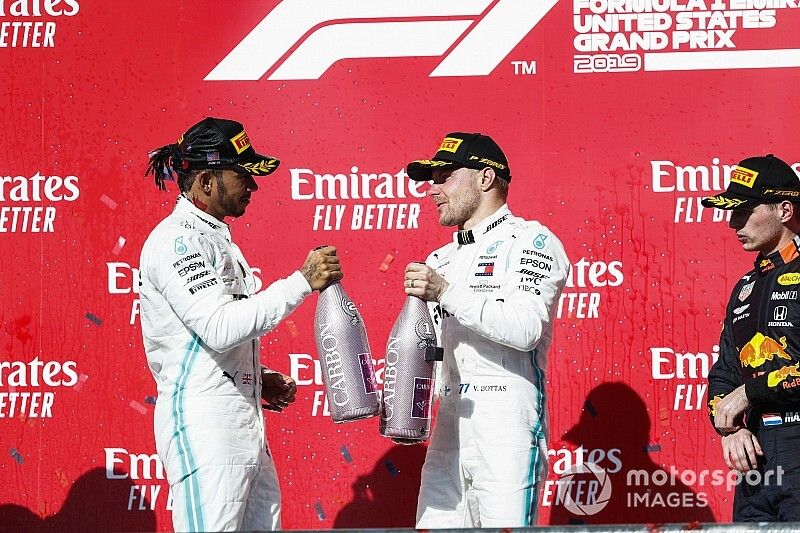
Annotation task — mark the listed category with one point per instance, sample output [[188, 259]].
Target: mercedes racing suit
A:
[[201, 320], [760, 348], [488, 450]]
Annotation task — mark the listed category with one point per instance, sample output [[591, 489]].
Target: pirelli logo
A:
[[202, 285], [744, 176], [241, 142], [450, 144]]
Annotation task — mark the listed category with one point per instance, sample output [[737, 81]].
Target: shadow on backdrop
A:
[[387, 496], [94, 503], [614, 433]]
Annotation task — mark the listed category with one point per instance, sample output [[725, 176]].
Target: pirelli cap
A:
[[471, 150], [758, 180], [215, 143]]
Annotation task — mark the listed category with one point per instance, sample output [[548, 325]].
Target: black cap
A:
[[471, 150], [758, 180], [215, 143]]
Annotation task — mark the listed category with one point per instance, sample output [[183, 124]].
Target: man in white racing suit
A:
[[202, 317], [495, 288]]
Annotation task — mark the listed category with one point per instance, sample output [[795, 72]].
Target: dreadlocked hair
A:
[[165, 165]]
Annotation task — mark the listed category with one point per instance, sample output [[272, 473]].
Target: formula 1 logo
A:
[[318, 34]]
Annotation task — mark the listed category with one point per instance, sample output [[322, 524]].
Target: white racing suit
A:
[[201, 320], [488, 451]]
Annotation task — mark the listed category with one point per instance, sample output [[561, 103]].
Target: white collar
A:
[[476, 233], [213, 225]]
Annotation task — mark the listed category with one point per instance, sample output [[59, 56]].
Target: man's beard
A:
[[457, 212], [231, 207]]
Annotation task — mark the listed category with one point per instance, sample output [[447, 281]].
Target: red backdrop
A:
[[616, 117]]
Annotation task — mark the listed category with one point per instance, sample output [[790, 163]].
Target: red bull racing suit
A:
[[760, 348], [201, 320], [488, 450]]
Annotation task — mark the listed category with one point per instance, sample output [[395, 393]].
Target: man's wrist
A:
[[753, 391], [445, 286]]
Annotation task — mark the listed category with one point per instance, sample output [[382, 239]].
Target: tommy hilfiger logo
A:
[[485, 269]]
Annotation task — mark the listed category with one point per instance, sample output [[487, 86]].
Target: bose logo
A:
[[327, 38]]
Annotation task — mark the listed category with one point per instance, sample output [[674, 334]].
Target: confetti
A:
[[346, 454], [81, 380], [292, 327], [108, 201], [120, 243], [94, 319], [391, 468], [16, 455], [386, 262], [138, 407], [63, 479], [319, 510], [150, 399], [590, 408]]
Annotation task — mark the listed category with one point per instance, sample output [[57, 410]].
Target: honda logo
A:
[[780, 312], [318, 34]]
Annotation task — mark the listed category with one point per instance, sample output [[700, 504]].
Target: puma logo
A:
[[232, 378]]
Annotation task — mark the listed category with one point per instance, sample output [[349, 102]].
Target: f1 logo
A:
[[317, 36]]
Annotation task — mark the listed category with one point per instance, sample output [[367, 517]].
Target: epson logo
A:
[[318, 34], [191, 267]]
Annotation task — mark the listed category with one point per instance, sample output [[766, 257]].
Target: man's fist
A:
[[277, 390], [321, 267], [423, 281]]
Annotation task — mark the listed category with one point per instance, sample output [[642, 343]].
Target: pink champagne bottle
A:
[[408, 377], [345, 357]]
